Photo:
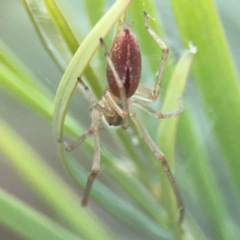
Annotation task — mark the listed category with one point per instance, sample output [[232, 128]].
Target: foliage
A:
[[201, 145]]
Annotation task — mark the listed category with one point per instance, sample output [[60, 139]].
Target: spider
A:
[[123, 75]]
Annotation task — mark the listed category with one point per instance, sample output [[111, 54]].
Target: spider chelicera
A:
[[123, 75]]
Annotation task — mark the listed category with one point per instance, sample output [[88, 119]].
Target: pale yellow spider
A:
[[123, 75]]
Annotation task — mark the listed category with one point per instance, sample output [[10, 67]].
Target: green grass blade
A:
[[28, 222], [25, 92], [48, 33], [14, 64], [62, 25], [56, 35], [94, 13], [203, 187], [217, 85], [215, 76], [48, 185], [166, 136], [168, 127]]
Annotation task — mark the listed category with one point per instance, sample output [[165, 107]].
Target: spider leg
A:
[[152, 93], [94, 171], [94, 103], [70, 146], [160, 156], [96, 116], [123, 96], [111, 101], [96, 121], [93, 130], [160, 114]]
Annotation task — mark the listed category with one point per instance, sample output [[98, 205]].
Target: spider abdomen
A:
[[126, 57]]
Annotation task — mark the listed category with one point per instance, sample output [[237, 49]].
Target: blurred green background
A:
[[130, 199]]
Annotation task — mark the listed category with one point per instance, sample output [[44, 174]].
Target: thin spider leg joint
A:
[[180, 102], [70, 146], [160, 156], [154, 35], [125, 124], [95, 116], [94, 103], [88, 187], [173, 113], [163, 61], [157, 114], [145, 14], [95, 169], [104, 47]]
